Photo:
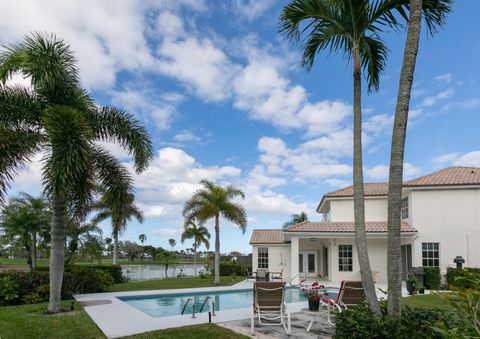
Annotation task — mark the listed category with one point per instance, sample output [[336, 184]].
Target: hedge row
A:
[[431, 278], [32, 287], [452, 273], [359, 322]]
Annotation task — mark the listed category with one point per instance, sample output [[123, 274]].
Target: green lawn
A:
[[173, 283], [27, 321], [426, 301]]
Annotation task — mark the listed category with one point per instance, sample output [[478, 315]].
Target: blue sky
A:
[[224, 98]]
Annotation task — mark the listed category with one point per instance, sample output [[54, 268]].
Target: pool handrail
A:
[[205, 301]]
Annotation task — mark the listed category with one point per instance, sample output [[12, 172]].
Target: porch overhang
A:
[[330, 235]]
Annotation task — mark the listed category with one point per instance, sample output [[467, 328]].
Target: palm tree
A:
[[213, 201], [142, 237], [77, 234], [200, 235], [295, 219], [60, 119], [172, 243], [120, 213], [352, 28], [434, 12], [27, 217]]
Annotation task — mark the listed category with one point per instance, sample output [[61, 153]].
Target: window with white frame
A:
[[263, 257], [430, 254], [404, 211], [345, 258]]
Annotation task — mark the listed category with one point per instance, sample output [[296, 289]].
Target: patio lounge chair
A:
[[276, 275], [350, 294], [269, 305], [262, 274]]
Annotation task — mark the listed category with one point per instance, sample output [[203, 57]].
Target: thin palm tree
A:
[[295, 219], [27, 217], [351, 28], [434, 12], [142, 237], [120, 213], [57, 117], [172, 243], [213, 201], [77, 234], [200, 235]]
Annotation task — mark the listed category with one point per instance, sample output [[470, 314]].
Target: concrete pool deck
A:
[[116, 318]]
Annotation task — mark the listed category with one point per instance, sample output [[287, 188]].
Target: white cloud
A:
[[146, 102], [378, 123], [432, 100], [458, 159], [380, 172], [469, 159], [165, 232], [252, 9], [30, 178], [187, 136], [444, 78], [334, 182], [270, 202]]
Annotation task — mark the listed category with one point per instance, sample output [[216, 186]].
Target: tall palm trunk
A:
[[358, 190], [115, 248], [217, 249], [57, 254], [194, 260], [34, 249], [396, 159]]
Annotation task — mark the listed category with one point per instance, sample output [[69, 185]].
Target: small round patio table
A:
[[315, 316]]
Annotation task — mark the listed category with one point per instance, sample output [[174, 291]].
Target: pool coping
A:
[[116, 318]]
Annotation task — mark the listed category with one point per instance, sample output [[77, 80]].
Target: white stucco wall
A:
[[377, 252], [375, 209], [278, 258], [450, 217]]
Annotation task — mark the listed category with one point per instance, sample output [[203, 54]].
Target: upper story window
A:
[[430, 254], [404, 210], [263, 257], [326, 215], [345, 258]]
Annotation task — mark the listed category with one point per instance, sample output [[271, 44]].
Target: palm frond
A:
[[236, 214], [69, 161], [19, 108], [373, 55], [113, 124], [16, 149]]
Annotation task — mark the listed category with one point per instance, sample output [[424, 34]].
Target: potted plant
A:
[[412, 284], [313, 297]]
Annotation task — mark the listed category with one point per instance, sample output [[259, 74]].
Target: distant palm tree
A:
[[77, 234], [142, 237], [351, 28], [296, 218], [58, 117], [172, 243], [120, 213], [200, 235], [26, 217], [213, 201]]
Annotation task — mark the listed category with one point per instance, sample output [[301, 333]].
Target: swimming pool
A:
[[162, 305]]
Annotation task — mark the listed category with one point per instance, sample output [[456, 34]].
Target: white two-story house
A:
[[440, 220]]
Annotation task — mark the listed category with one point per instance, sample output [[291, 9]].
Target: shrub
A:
[[31, 287], [232, 268], [454, 274], [431, 278], [359, 322], [114, 270]]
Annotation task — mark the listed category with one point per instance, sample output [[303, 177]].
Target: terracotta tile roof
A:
[[447, 177], [371, 189], [345, 227], [267, 237]]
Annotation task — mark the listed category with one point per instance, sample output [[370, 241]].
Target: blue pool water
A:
[[162, 305]]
